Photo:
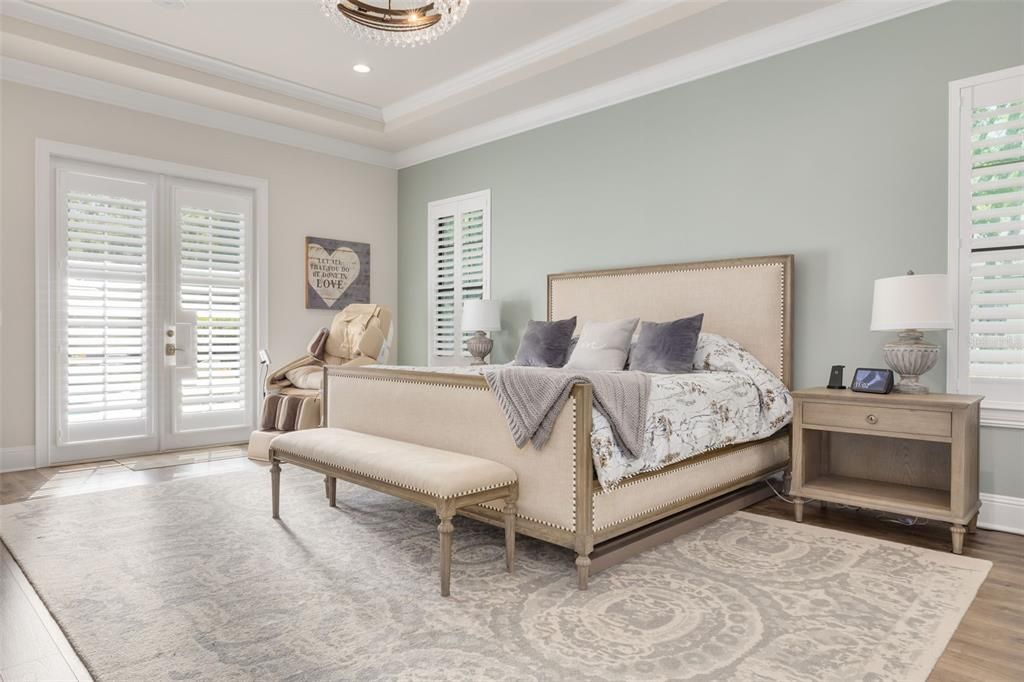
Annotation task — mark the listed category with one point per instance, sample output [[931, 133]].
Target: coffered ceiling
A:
[[279, 69]]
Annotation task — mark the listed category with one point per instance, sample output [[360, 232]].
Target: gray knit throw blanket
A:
[[532, 398]]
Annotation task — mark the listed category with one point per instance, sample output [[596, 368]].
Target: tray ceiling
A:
[[510, 65]]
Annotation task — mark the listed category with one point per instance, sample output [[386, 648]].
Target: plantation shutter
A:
[[992, 239], [459, 271], [103, 306], [213, 276]]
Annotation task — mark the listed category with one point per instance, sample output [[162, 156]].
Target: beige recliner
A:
[[358, 336]]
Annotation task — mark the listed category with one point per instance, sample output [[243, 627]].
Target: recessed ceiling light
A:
[[361, 68]]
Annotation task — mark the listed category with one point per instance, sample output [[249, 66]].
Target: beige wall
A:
[[310, 194]]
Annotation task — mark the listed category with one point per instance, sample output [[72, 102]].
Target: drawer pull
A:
[[871, 419]]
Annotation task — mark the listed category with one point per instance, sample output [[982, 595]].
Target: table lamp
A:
[[482, 317], [911, 304]]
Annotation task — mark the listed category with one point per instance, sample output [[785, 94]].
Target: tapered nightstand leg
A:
[[972, 527], [958, 532], [798, 509]]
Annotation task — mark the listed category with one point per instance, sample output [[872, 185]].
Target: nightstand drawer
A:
[[868, 418]]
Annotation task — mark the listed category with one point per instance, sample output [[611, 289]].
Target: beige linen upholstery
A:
[[689, 479], [446, 481], [414, 467], [745, 302], [466, 419]]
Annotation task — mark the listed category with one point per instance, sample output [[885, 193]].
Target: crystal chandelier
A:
[[408, 24]]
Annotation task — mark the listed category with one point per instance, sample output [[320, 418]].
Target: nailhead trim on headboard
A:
[[662, 270]]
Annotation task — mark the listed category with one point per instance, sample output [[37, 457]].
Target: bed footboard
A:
[[459, 413]]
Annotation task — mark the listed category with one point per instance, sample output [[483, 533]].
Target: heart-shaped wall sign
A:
[[331, 273]]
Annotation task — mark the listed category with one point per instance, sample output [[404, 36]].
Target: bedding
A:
[[666, 347], [729, 398], [545, 344], [531, 398], [602, 345]]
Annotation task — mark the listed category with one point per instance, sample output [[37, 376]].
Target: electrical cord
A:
[[907, 521], [781, 496]]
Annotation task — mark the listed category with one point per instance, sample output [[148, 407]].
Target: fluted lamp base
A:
[[911, 356], [479, 347]]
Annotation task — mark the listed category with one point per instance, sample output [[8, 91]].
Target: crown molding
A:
[[814, 27], [602, 25], [115, 37], [835, 20], [55, 80]]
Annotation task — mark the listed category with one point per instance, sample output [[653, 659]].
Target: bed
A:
[[561, 501]]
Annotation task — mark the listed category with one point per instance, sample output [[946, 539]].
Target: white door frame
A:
[[47, 153]]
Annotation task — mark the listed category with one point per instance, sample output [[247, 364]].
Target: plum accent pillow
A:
[[603, 345], [545, 344], [667, 347]]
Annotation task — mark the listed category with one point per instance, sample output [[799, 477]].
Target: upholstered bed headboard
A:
[[746, 299]]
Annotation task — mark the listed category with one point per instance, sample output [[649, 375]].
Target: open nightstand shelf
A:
[[906, 454]]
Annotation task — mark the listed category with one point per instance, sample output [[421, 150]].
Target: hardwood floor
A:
[[987, 647]]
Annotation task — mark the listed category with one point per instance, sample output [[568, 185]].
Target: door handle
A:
[[170, 349]]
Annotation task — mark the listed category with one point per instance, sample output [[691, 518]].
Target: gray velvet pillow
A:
[[545, 344], [603, 345], [667, 347]]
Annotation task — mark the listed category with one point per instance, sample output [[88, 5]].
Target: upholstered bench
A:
[[446, 481]]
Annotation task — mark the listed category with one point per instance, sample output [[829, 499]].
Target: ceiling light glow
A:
[[361, 68]]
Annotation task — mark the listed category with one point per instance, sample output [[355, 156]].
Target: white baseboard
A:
[[1002, 512], [17, 459]]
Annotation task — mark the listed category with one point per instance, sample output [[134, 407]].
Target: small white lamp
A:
[[482, 317], [911, 304]]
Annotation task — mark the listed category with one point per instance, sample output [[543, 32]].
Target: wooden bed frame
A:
[[561, 500]]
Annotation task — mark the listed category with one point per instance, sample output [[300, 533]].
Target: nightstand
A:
[[908, 454]]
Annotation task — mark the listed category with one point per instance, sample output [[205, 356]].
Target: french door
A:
[[152, 313]]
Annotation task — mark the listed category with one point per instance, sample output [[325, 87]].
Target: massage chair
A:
[[358, 336]]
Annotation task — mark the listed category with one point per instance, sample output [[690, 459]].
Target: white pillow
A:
[[603, 345]]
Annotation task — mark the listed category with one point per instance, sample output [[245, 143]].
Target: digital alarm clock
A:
[[867, 380]]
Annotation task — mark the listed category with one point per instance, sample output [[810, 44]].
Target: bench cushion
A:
[[430, 471]]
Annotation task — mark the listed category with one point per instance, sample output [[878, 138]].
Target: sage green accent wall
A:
[[835, 152]]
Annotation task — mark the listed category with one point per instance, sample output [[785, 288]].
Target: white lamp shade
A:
[[912, 302], [482, 316]]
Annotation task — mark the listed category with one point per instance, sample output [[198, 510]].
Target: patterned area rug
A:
[[192, 579]]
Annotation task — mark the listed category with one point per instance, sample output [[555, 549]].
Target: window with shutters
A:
[[103, 307], [986, 354], [458, 271], [212, 281]]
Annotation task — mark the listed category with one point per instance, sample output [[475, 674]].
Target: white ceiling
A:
[[292, 40], [286, 70]]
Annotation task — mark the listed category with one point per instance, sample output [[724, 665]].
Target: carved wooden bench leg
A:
[[332, 491], [510, 535], [445, 512], [275, 486], [583, 570]]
